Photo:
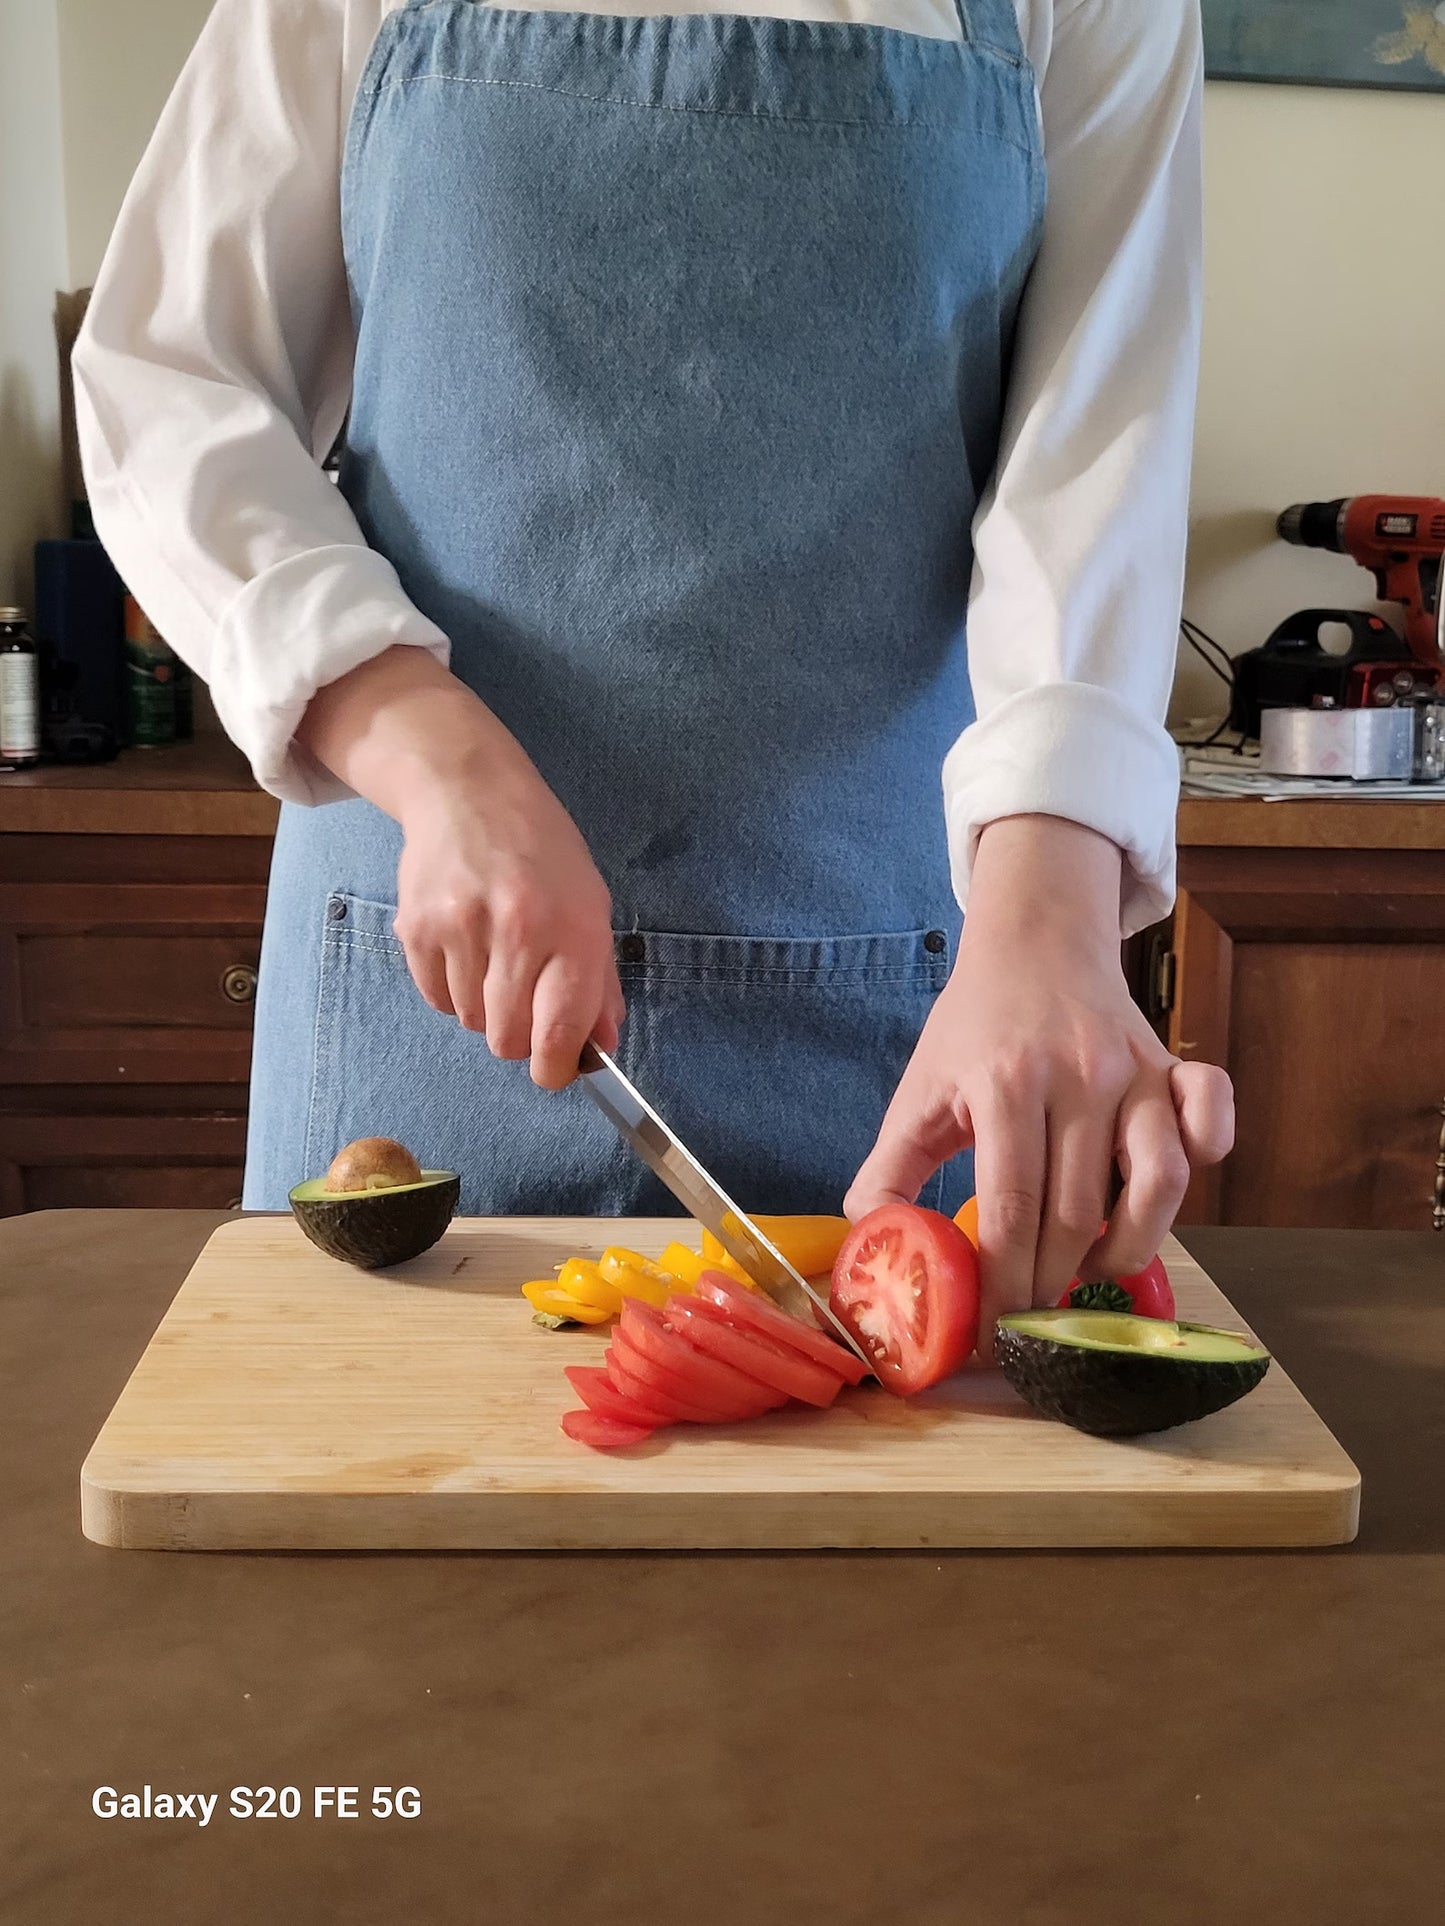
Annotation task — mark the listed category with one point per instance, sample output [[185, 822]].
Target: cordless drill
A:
[[1399, 538]]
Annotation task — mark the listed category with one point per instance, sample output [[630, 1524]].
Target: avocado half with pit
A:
[[376, 1206], [1118, 1376]]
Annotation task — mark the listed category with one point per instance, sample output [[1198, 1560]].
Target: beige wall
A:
[[119, 61], [32, 267], [1323, 366], [1325, 286]]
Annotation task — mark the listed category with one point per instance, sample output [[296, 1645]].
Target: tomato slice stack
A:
[[719, 1355]]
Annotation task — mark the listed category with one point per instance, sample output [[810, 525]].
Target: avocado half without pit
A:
[[1119, 1376], [376, 1205]]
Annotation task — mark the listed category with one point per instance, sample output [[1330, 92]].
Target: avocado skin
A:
[[383, 1228], [1120, 1394]]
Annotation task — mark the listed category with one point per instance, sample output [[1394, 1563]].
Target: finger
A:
[[1010, 1159], [565, 1008], [921, 1131], [508, 991], [1156, 1176], [1080, 1160], [429, 973], [1204, 1102], [614, 1004]]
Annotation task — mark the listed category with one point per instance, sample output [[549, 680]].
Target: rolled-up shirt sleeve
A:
[[1080, 542], [213, 374]]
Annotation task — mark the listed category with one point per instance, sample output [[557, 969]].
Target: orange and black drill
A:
[[1399, 538]]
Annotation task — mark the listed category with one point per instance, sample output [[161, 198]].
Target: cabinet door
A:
[[51, 1159], [127, 982], [1317, 978]]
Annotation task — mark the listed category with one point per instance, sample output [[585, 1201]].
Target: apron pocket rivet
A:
[[632, 949], [336, 910], [935, 942]]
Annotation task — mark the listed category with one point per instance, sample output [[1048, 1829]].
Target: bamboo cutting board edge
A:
[[271, 1348]]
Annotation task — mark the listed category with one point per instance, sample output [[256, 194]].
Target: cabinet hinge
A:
[[1161, 987]]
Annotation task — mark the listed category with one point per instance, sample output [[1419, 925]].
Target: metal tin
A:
[[1356, 745], [19, 690]]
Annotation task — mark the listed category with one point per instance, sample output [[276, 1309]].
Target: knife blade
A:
[[664, 1153]]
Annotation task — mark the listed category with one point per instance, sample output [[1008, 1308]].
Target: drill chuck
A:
[[1315, 524]]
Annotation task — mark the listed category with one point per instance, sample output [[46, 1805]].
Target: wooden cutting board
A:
[[288, 1401]]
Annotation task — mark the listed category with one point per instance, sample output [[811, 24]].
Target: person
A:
[[759, 538]]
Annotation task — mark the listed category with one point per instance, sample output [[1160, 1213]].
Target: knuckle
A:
[[557, 1037], [1079, 1219], [507, 1040], [1166, 1179], [1018, 1081], [1012, 1212]]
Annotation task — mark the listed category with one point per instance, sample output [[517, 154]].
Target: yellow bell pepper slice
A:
[[542, 1294], [633, 1276], [810, 1244], [581, 1279], [683, 1266]]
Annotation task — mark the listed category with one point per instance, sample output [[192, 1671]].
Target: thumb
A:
[[916, 1138]]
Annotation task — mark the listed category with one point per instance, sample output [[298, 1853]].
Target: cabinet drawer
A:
[[134, 982], [53, 1161]]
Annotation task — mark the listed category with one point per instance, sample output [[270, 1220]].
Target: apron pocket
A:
[[386, 1064], [775, 1058]]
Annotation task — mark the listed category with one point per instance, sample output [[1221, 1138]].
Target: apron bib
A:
[[681, 353]]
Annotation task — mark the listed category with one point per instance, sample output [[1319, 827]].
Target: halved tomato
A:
[[603, 1434], [778, 1366], [906, 1286], [706, 1381], [750, 1312]]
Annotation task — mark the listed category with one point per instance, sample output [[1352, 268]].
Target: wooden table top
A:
[[1014, 1739], [200, 788]]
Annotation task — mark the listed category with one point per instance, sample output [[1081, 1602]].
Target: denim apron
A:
[[681, 354]]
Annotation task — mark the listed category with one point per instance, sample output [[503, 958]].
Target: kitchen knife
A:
[[639, 1125]]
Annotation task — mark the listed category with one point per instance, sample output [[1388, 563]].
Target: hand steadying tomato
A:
[[1146, 1294], [906, 1286]]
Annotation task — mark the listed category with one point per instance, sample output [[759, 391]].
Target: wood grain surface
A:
[[290, 1402]]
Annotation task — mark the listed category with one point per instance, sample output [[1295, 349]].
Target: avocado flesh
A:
[[377, 1228], [315, 1187], [1118, 1376]]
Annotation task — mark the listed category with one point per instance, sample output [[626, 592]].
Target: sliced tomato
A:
[[1147, 1293], [778, 1366], [710, 1383], [598, 1392], [621, 1369], [750, 1312], [712, 1406], [603, 1434], [906, 1286]]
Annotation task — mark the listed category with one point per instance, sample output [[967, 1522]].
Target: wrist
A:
[[1038, 878], [406, 734]]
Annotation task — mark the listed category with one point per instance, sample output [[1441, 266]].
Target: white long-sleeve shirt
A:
[[213, 375]]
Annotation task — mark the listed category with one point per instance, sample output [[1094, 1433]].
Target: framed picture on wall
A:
[[1328, 43]]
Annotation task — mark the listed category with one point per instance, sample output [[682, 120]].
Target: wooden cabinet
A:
[[1307, 955], [131, 901]]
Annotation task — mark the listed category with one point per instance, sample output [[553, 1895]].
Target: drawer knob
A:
[[238, 985]]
